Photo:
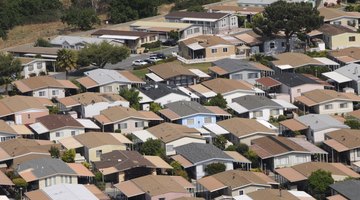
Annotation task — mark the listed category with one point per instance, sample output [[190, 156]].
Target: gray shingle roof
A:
[[197, 152], [320, 122], [44, 167], [348, 189], [293, 79], [234, 65], [161, 90], [186, 108], [252, 102]]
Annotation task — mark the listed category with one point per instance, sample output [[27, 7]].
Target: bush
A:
[[214, 168], [20, 182], [152, 45]]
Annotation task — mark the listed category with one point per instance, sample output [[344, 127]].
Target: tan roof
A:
[[206, 41], [346, 55], [168, 132], [318, 96], [21, 129], [37, 195], [217, 110], [336, 169], [183, 161], [10, 105], [238, 9], [221, 85], [355, 114], [350, 138], [336, 145], [242, 127], [28, 49], [218, 70], [70, 143], [96, 139], [57, 121], [80, 169], [169, 114], [170, 70], [336, 197], [6, 128], [158, 162], [39, 82], [237, 156], [130, 76], [28, 175], [97, 192], [25, 60], [211, 183], [200, 88], [333, 14], [118, 113], [248, 38], [129, 188], [295, 60], [261, 66], [290, 174], [293, 125], [4, 180], [331, 29], [273, 194], [87, 82]]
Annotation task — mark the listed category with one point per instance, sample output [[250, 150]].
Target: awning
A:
[[327, 61], [237, 156], [80, 170], [129, 189], [284, 104], [119, 37], [238, 108], [339, 78], [39, 128], [70, 143], [200, 73], [144, 135], [198, 19], [290, 174], [154, 77], [158, 162], [337, 146], [216, 129], [183, 161], [195, 46], [293, 125], [211, 184], [283, 67], [87, 123]]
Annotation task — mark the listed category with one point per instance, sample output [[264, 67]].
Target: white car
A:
[[154, 59], [139, 63]]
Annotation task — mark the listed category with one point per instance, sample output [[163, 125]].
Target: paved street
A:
[[127, 63]]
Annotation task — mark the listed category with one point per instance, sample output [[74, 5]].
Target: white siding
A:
[[171, 98], [95, 109], [182, 141], [291, 159], [48, 93], [64, 133]]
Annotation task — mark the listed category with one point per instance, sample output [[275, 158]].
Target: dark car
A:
[[161, 56], [170, 42]]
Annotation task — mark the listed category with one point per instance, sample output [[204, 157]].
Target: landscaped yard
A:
[[140, 73]]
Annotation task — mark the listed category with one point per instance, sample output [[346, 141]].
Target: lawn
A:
[[140, 73]]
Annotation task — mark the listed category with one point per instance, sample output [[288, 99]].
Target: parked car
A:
[[153, 59], [159, 55], [139, 62], [170, 42]]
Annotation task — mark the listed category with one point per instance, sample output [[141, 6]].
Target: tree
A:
[[352, 123], [153, 148], [217, 100], [253, 157], [20, 182], [10, 69], [220, 142], [101, 54], [174, 35], [214, 168], [81, 18], [319, 182], [66, 60], [289, 18], [177, 170], [54, 152], [128, 10], [155, 107], [132, 96], [197, 8], [69, 156], [240, 148]]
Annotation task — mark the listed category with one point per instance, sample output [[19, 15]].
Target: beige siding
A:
[[58, 180], [91, 154], [131, 125], [220, 51], [342, 41], [112, 88]]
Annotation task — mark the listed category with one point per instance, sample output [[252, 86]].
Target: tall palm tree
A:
[[66, 60]]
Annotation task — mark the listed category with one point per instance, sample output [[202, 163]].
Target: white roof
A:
[[203, 131], [119, 37], [357, 164], [242, 197], [144, 98], [59, 40], [144, 135], [216, 129], [154, 77], [200, 73], [2, 197], [188, 92], [267, 124], [39, 128], [301, 194], [69, 191], [284, 66], [259, 91], [284, 104], [87, 123], [195, 46], [238, 108], [326, 61], [337, 77], [198, 19]]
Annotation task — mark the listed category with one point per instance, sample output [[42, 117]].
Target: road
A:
[[127, 63]]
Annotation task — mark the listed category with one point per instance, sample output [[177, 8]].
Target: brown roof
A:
[[350, 54], [205, 15], [118, 113], [170, 70], [218, 70], [4, 180], [221, 85], [291, 174], [318, 96], [239, 9], [40, 82], [183, 161], [129, 188], [130, 76], [80, 170], [217, 110], [6, 128], [295, 60], [336, 197], [242, 127], [268, 82], [88, 98], [275, 146], [37, 195], [34, 50], [97, 192], [355, 114], [336, 169], [10, 105], [54, 122], [350, 138], [261, 66], [211, 183], [87, 82], [331, 29], [293, 125], [322, 82], [118, 32], [333, 14], [96, 139], [168, 132], [337, 146], [206, 41], [273, 194]]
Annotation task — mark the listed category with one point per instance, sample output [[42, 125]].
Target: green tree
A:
[[352, 123], [127, 10], [240, 148], [10, 69], [132, 96], [101, 54], [66, 60], [54, 152], [81, 18], [155, 107], [178, 170], [153, 148], [196, 8], [319, 182], [174, 35], [41, 42], [217, 100], [69, 156], [253, 157], [220, 142], [290, 18], [53, 110], [215, 168], [20, 182]]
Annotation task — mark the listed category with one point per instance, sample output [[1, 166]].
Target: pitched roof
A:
[[88, 98], [206, 41], [73, 40], [4, 180], [252, 102], [295, 60], [197, 152], [332, 29], [347, 55], [204, 15], [97, 139], [6, 128], [351, 71], [319, 122], [119, 32], [170, 70], [316, 97], [154, 24], [275, 194], [355, 114], [333, 14], [293, 79], [168, 132], [268, 82], [350, 138], [348, 189], [336, 169], [10, 105], [221, 85], [28, 49], [242, 127], [293, 125], [239, 9], [40, 82], [158, 90], [54, 122], [229, 65], [271, 146]]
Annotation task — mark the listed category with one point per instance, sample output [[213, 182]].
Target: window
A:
[[207, 120], [252, 75], [224, 50], [196, 30], [73, 133], [107, 89], [55, 92], [139, 124], [272, 45], [57, 134], [30, 68], [213, 50], [190, 122], [98, 153], [161, 198], [39, 65], [352, 39], [275, 112], [29, 116], [283, 44], [343, 105], [42, 93], [237, 76], [241, 192], [337, 22], [298, 90], [328, 106], [122, 126], [169, 148], [258, 114], [358, 152]]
